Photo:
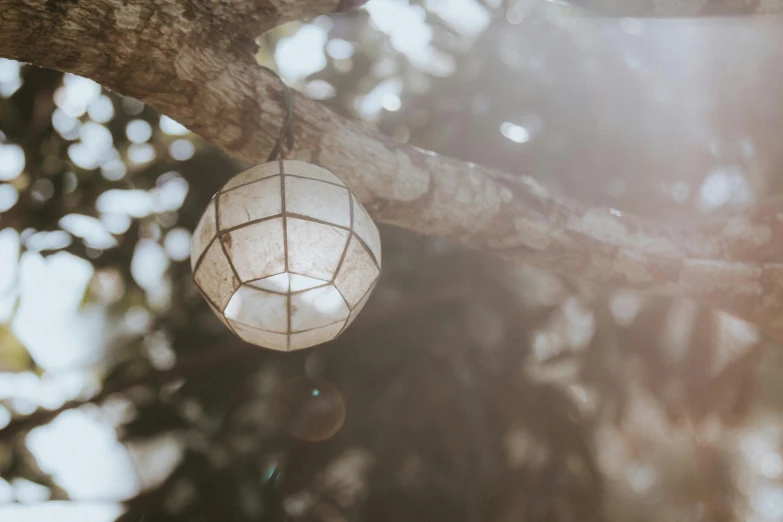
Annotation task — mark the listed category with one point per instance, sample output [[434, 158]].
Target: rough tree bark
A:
[[669, 8], [193, 61]]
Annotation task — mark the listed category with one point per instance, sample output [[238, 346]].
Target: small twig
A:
[[204, 360]]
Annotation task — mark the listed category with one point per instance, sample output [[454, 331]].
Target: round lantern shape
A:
[[285, 255]]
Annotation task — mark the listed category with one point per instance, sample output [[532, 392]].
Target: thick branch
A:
[[686, 8], [193, 60]]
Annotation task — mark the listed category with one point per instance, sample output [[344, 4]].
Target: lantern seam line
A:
[[305, 275], [233, 290], [285, 253], [319, 180], [369, 251], [342, 258], [345, 190], [366, 293], [313, 166], [265, 277], [295, 216], [319, 327], [202, 256], [247, 283], [343, 298], [227, 190], [307, 289], [216, 307], [290, 292], [365, 296], [367, 245], [228, 194], [255, 327], [248, 223], [347, 242], [209, 299], [223, 247], [209, 243], [316, 220], [325, 283], [231, 264], [231, 321], [344, 328], [287, 272], [223, 191], [283, 333], [369, 290]]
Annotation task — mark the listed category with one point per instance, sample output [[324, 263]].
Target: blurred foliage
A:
[[473, 391]]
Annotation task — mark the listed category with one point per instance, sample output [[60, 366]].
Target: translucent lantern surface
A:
[[286, 259]]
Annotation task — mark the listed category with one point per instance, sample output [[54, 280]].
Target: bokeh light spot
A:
[[182, 149], [309, 408], [138, 131], [11, 161], [171, 127]]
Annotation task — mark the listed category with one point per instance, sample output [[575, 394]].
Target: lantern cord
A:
[[285, 140]]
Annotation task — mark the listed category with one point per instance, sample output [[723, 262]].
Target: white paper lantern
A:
[[286, 259]]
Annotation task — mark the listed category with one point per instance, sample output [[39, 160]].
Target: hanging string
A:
[[285, 140]]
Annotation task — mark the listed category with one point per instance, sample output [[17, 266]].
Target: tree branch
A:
[[193, 61], [206, 360], [687, 8]]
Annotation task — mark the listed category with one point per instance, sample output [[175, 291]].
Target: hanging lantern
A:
[[285, 255]]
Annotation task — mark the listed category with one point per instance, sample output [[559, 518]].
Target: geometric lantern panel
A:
[[286, 255], [357, 274]]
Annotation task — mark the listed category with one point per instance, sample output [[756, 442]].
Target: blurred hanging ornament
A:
[[309, 408], [285, 254]]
